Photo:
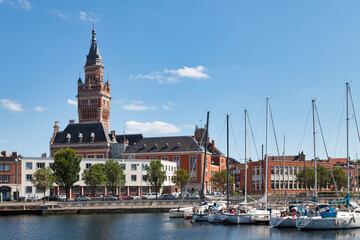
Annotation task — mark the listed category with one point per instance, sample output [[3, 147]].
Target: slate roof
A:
[[100, 131], [132, 138], [93, 58], [164, 144]]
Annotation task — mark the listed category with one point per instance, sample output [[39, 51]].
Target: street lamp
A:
[[17, 159]]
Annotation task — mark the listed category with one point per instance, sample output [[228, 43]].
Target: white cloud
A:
[[168, 105], [58, 13], [24, 4], [91, 16], [40, 109], [189, 126], [174, 75], [72, 102], [137, 106], [155, 127], [12, 106], [189, 72]]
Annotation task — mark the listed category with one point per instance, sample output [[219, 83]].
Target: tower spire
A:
[[93, 58]]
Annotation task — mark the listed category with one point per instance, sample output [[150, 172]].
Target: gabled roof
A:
[[164, 144], [132, 138], [93, 58], [100, 131]]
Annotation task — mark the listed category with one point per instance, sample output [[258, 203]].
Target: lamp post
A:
[[17, 159]]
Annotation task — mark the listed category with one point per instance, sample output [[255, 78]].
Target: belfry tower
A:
[[94, 94]]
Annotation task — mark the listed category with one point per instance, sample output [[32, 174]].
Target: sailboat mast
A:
[[347, 137], [205, 160], [315, 187], [245, 159], [266, 148], [284, 183], [227, 162]]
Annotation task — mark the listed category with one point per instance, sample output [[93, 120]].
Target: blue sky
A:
[[170, 61]]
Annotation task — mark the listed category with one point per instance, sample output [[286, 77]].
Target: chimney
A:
[[43, 155], [212, 145], [14, 154], [72, 121], [3, 153], [56, 127]]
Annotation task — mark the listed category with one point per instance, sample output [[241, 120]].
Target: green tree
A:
[[340, 177], [43, 179], [323, 176], [306, 177], [66, 168], [94, 177], [114, 175], [180, 178], [155, 175], [219, 180]]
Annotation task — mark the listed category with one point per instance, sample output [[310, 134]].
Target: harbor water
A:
[[146, 226]]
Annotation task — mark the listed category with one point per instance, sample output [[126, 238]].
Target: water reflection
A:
[[146, 226]]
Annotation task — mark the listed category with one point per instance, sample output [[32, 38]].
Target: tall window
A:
[[28, 189], [193, 162], [165, 158], [144, 167], [29, 165], [28, 177], [177, 160], [133, 167], [87, 165], [123, 166], [40, 165], [133, 178]]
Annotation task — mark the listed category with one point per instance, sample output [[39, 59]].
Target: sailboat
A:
[[185, 212], [326, 217], [216, 215], [284, 219], [246, 214]]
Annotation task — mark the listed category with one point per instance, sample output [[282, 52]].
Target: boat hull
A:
[[199, 217], [283, 222], [318, 223], [215, 218]]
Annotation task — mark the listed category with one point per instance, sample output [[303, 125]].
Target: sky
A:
[[171, 61]]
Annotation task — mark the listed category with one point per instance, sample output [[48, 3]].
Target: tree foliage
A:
[[43, 179], [114, 175], [219, 180], [66, 168], [180, 178], [155, 175], [323, 176], [94, 177], [340, 178]]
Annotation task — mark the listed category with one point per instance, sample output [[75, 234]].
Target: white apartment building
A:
[[135, 172]]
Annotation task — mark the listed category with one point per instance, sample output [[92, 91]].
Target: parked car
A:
[[118, 196], [50, 198], [167, 197], [109, 198], [61, 198], [136, 197], [33, 199], [192, 196], [82, 198], [97, 197], [125, 197], [151, 196]]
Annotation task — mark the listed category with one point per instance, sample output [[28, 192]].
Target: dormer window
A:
[[92, 136], [68, 136], [80, 137]]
